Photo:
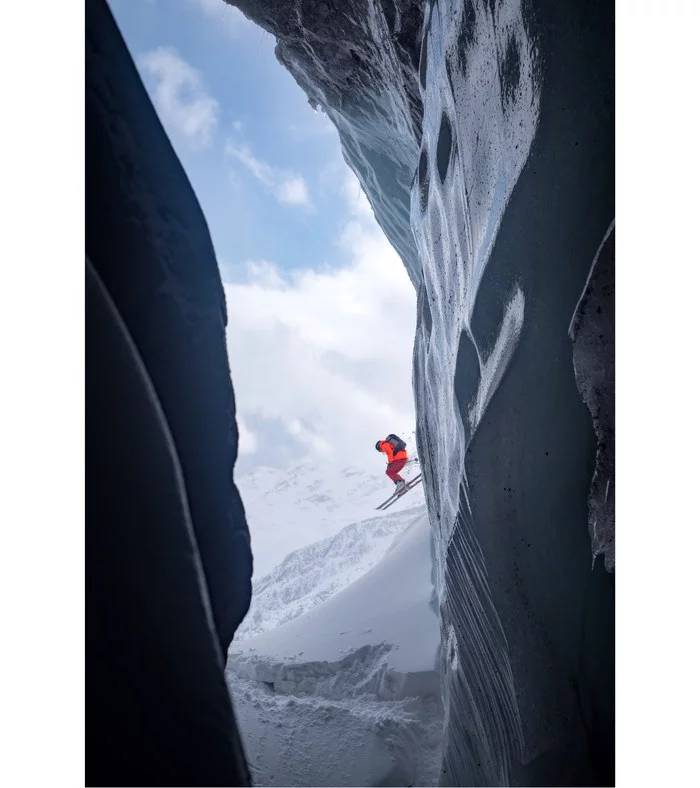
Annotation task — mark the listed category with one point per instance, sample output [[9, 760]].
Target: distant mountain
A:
[[311, 575], [290, 509]]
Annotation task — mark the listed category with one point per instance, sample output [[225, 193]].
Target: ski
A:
[[395, 497]]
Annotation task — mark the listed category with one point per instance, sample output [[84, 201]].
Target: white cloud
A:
[[180, 96], [289, 188], [309, 438], [228, 18], [328, 355], [293, 191], [247, 440]]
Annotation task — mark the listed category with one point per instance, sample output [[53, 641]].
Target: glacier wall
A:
[[483, 134], [167, 549]]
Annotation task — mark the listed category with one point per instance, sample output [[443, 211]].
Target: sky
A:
[[321, 311]]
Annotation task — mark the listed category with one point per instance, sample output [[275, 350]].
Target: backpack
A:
[[396, 442]]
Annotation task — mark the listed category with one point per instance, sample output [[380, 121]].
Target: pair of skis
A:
[[395, 497]]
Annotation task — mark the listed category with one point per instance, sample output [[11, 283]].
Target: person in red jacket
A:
[[395, 450]]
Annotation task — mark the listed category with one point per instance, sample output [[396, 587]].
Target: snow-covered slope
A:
[[359, 668], [289, 509], [309, 576]]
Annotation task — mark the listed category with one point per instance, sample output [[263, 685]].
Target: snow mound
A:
[[312, 575], [361, 667], [389, 604]]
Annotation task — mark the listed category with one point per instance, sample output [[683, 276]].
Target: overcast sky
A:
[[321, 310]]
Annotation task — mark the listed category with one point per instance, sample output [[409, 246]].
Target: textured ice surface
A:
[[481, 102], [592, 332]]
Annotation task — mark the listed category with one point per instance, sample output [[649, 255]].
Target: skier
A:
[[395, 450]]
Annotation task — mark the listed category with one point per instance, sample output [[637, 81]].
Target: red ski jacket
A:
[[388, 449]]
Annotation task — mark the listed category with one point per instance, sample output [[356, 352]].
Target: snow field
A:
[[348, 692]]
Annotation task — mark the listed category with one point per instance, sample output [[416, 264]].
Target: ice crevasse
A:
[[483, 136]]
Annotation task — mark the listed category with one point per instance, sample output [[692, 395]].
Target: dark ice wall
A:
[[168, 562], [530, 464]]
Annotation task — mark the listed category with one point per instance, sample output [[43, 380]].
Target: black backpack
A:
[[396, 442]]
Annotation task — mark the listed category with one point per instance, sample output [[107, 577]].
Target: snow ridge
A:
[[311, 575]]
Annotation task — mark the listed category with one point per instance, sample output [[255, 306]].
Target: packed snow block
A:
[[157, 707], [149, 242]]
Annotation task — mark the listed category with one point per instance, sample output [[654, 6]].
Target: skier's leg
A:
[[393, 468], [391, 472], [399, 466]]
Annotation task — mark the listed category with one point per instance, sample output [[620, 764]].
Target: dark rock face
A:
[[592, 331], [511, 173], [167, 547]]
